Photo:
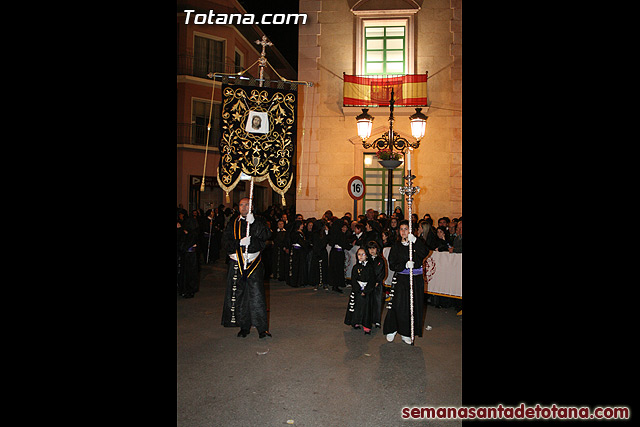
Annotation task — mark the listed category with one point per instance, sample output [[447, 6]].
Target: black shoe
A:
[[338, 290], [367, 332], [264, 334], [189, 295], [243, 333]]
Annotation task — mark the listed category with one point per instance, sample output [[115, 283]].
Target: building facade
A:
[[204, 49], [418, 36]]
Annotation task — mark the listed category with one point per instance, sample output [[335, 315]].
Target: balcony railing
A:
[[189, 65], [191, 133]]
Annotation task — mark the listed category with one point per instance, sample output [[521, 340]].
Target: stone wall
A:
[[329, 151]]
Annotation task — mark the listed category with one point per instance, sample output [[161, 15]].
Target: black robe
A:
[[398, 318], [279, 255], [298, 260], [394, 235], [189, 282], [318, 272], [244, 300], [308, 236], [380, 271], [359, 309], [359, 241], [337, 256], [180, 260], [369, 236]]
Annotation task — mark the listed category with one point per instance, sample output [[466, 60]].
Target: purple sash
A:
[[416, 271]]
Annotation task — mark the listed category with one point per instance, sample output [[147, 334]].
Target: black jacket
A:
[[258, 231], [399, 255]]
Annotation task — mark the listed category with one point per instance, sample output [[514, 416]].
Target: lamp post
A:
[[391, 139]]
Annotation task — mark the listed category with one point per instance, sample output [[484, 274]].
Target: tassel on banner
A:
[[227, 198], [284, 202]]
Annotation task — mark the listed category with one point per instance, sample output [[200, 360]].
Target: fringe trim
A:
[[352, 302], [233, 293], [393, 283]]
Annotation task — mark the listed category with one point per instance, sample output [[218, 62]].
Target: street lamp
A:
[[391, 139], [418, 124], [364, 122]]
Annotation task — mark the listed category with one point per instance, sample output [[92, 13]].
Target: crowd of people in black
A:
[[297, 251]]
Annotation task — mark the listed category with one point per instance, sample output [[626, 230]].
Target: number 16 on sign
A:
[[356, 190]]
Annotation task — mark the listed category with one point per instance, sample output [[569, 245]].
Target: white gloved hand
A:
[[411, 238], [362, 285], [409, 264], [250, 218], [326, 231], [245, 241]]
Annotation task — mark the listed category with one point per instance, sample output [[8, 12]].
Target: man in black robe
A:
[[244, 300]]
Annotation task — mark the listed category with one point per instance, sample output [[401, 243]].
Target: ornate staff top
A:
[[262, 61], [409, 190]]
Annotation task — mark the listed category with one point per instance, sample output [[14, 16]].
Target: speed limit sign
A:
[[356, 188]]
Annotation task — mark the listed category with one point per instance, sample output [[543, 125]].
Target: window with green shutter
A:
[[376, 181], [385, 50]]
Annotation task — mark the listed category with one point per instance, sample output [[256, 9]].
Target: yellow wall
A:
[[329, 151]]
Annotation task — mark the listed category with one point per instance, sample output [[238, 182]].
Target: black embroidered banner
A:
[[258, 136]]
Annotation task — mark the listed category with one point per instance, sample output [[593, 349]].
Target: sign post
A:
[[356, 190]]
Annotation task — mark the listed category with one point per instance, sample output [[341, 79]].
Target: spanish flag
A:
[[409, 90]]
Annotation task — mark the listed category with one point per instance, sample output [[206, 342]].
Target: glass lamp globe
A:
[[418, 124], [364, 122]]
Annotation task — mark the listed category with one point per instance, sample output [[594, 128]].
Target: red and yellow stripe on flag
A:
[[409, 90]]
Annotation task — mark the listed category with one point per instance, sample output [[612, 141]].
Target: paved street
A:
[[315, 370]]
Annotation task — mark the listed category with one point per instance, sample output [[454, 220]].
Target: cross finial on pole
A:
[[262, 60], [264, 42]]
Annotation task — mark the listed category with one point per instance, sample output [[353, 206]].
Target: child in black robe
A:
[[363, 281], [380, 271]]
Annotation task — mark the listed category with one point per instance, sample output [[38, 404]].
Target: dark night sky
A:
[[284, 37]]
